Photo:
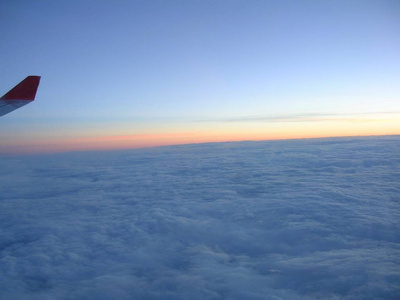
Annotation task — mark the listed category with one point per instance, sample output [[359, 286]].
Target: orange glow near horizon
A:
[[235, 131]]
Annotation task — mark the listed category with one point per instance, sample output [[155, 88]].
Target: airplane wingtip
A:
[[25, 90]]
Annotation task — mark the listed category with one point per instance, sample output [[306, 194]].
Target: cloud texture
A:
[[303, 219]]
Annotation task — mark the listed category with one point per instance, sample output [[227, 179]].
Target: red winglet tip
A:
[[25, 90]]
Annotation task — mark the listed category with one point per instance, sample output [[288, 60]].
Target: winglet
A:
[[25, 90]]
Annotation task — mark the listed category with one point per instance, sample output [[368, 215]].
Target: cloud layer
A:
[[315, 117], [305, 219]]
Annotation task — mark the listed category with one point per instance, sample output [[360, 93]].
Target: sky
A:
[[285, 220], [131, 74]]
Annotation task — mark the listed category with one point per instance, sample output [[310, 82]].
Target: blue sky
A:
[[122, 68]]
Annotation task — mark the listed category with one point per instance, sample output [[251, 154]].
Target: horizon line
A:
[[50, 152]]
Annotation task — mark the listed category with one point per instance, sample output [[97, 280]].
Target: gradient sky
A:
[[120, 74]]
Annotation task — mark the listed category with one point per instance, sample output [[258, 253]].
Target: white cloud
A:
[[254, 220], [313, 117]]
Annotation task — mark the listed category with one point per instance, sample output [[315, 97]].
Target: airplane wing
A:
[[22, 94]]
